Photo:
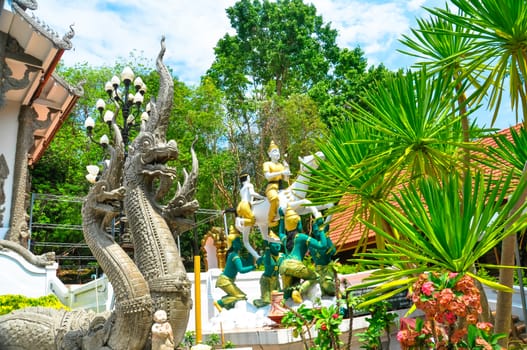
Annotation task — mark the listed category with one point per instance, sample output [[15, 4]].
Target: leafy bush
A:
[[379, 324], [11, 302], [326, 321]]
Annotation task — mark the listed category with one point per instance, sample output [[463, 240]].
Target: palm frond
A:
[[446, 224], [499, 30]]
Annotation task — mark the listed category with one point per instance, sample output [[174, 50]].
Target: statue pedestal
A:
[[270, 338], [274, 338]]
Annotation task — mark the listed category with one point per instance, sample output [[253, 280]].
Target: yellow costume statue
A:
[[247, 196], [274, 172]]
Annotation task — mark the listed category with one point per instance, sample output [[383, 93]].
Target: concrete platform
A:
[[276, 338]]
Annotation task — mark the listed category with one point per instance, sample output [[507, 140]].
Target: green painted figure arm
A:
[[281, 227], [234, 262], [322, 256], [321, 234], [234, 265], [302, 243]]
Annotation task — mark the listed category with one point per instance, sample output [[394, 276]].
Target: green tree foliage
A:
[[283, 46], [281, 77], [280, 52], [348, 83], [61, 170]]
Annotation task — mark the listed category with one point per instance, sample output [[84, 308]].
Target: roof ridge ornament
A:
[[20, 6], [26, 4]]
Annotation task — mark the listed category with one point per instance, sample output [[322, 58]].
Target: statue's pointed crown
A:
[[272, 146], [273, 236], [233, 234], [291, 219]]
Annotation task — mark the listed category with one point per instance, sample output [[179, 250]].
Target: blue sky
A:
[[109, 30]]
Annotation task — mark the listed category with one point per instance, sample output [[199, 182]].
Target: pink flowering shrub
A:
[[451, 305]]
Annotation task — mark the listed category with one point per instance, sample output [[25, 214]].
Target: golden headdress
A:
[[272, 146], [233, 234], [291, 219], [273, 236]]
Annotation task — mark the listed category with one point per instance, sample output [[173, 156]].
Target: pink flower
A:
[[428, 288], [450, 317], [485, 326], [401, 336], [443, 304]]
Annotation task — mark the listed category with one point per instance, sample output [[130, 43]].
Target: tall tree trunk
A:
[[504, 301]]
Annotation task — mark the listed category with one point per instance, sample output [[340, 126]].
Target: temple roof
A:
[[29, 53]]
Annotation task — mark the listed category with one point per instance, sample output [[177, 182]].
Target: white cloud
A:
[[193, 28], [374, 26], [413, 5]]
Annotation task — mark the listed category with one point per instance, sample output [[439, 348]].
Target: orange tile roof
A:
[[346, 232]]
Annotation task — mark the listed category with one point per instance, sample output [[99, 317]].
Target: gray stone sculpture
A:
[[162, 335], [4, 172], [156, 279], [28, 123]]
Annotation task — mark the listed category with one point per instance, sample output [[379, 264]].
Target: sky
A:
[[108, 30]]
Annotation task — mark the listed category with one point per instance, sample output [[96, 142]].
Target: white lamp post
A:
[[93, 171], [126, 103]]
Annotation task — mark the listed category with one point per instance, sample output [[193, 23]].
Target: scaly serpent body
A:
[[157, 278]]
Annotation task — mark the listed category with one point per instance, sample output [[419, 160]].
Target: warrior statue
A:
[[275, 173], [156, 279]]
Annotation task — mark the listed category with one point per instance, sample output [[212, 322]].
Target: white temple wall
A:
[[8, 134], [20, 277], [249, 283]]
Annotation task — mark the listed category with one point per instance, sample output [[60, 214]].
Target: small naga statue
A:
[[156, 278]]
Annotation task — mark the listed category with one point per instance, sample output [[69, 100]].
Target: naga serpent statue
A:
[[156, 278]]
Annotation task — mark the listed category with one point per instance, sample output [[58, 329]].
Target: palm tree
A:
[[499, 34], [499, 29], [405, 132], [442, 53], [442, 224], [339, 176]]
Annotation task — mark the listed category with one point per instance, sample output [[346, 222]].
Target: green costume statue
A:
[[269, 281], [292, 269], [322, 258], [226, 281]]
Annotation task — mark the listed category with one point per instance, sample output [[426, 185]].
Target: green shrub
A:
[[345, 269], [11, 302]]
